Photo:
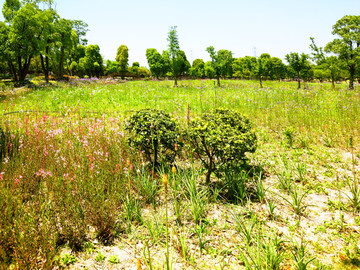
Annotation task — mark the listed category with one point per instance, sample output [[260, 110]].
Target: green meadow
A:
[[75, 195]]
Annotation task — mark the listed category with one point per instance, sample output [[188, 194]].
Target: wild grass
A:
[[318, 111], [68, 177]]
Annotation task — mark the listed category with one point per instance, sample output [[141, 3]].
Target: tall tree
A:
[[122, 57], [198, 69], [25, 27], [209, 70], [49, 41], [299, 64], [183, 63], [244, 67], [278, 68], [260, 69], [347, 45], [174, 50], [221, 62], [327, 66], [225, 59], [155, 62], [65, 36], [92, 63], [166, 71], [267, 65]]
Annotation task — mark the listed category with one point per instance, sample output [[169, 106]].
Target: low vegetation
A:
[[82, 186]]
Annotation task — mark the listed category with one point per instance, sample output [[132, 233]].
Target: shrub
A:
[[154, 133], [220, 138]]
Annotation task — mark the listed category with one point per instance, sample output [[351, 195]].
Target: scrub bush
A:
[[154, 133], [220, 139]]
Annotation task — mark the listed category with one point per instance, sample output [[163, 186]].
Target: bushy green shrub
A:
[[221, 138], [154, 133]]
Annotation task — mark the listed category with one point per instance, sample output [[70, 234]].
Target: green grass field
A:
[[74, 195]]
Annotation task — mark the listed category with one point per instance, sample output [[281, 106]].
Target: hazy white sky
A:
[[276, 27]]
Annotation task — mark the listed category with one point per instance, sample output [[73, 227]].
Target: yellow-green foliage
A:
[[154, 133], [221, 137]]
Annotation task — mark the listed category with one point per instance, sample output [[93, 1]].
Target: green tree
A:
[[278, 69], [122, 57], [225, 59], [92, 63], [174, 51], [49, 41], [209, 70], [24, 27], [143, 72], [167, 64], [65, 40], [198, 69], [183, 63], [267, 65], [263, 67], [112, 67], [328, 67], [155, 62], [347, 45], [221, 62], [299, 64], [135, 68]]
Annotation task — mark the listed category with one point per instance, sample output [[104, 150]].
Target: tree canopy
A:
[[347, 45]]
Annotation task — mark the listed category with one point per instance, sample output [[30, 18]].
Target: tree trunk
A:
[[23, 69], [261, 86], [61, 63], [332, 83], [218, 80], [175, 84], [45, 67], [299, 83], [13, 71], [351, 79], [210, 170]]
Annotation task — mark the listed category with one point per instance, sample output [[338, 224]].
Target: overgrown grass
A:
[[67, 175], [318, 112]]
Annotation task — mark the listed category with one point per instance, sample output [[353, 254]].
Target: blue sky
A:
[[276, 27]]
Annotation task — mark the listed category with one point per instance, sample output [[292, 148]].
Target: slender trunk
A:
[[61, 63], [299, 83], [211, 169], [218, 80], [351, 79], [332, 83], [261, 86], [175, 84], [45, 67]]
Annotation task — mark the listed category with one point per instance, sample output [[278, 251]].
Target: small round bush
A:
[[154, 133], [220, 138]]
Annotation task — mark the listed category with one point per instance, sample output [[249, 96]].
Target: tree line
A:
[[34, 39]]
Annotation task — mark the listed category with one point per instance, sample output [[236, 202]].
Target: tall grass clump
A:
[[67, 176]]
